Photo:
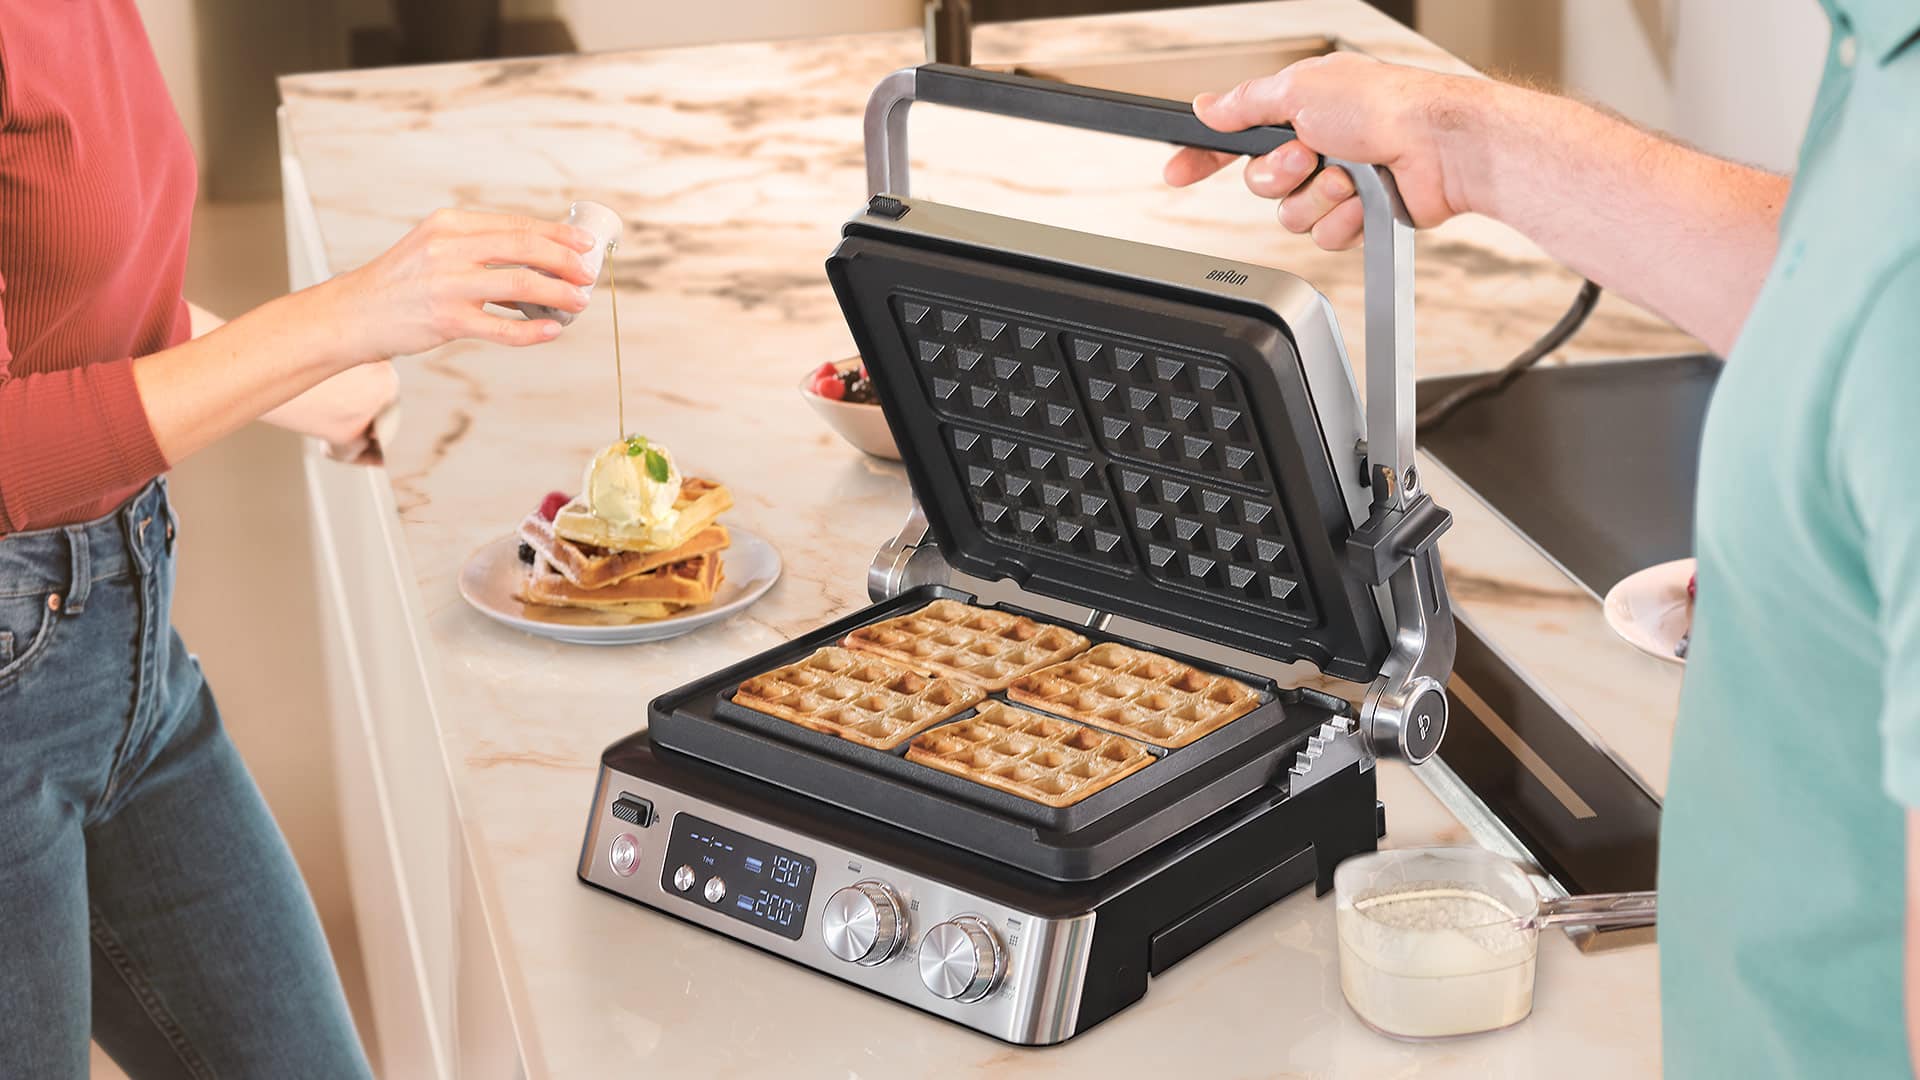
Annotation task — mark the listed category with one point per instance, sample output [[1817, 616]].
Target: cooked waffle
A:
[[987, 648], [860, 698], [1042, 758], [1150, 697], [592, 567], [700, 502], [651, 595]]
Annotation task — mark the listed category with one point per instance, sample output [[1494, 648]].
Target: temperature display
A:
[[764, 885]]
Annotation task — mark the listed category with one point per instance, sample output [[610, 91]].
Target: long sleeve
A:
[[69, 438], [96, 209]]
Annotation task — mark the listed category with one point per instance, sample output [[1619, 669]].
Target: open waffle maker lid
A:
[[1144, 432]]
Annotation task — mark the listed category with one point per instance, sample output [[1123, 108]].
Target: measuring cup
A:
[[605, 225], [1437, 942]]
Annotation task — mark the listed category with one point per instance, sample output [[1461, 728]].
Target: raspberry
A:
[[826, 370], [550, 506], [830, 387]]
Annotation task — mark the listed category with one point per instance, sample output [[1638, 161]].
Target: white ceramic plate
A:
[[491, 575], [1649, 609]]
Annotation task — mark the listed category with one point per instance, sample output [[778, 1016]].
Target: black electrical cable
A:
[[1495, 382]]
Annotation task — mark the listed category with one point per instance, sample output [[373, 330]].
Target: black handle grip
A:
[[1028, 98]]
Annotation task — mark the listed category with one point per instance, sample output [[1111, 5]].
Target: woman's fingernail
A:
[[1337, 185], [583, 239], [1260, 177], [549, 329], [1298, 160], [580, 294]]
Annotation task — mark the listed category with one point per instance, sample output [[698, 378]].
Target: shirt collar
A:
[[1882, 27]]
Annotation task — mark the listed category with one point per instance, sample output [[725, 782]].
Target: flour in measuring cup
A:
[[1432, 959]]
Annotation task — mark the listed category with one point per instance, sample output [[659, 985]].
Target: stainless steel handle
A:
[[1388, 229], [1597, 909]]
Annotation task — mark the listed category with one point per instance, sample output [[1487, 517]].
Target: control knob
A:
[[863, 923], [961, 960]]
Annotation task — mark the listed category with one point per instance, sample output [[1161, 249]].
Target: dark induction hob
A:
[[1595, 465]]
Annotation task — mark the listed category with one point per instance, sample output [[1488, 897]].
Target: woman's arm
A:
[[425, 291], [1680, 232], [340, 411], [70, 436]]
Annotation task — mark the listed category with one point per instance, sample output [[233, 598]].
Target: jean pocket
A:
[[26, 630]]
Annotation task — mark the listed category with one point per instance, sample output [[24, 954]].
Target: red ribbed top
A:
[[96, 200]]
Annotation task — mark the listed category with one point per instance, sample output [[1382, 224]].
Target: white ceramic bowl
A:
[[864, 426]]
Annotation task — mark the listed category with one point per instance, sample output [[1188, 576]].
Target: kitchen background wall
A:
[[1733, 76]]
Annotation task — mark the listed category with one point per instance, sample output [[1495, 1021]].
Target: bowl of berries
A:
[[843, 396]]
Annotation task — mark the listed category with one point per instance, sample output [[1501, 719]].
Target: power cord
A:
[[1496, 381]]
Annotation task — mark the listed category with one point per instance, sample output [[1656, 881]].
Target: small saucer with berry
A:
[[843, 395]]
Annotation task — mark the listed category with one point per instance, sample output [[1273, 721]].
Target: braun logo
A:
[[1231, 277]]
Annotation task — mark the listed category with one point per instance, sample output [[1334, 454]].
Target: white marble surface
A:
[[734, 167]]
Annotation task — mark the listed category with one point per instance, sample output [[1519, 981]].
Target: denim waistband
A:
[[69, 558]]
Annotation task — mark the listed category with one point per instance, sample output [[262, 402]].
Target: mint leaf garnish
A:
[[657, 466]]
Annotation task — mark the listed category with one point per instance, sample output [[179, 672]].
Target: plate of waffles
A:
[[639, 555]]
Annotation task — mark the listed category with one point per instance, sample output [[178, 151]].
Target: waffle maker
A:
[[1153, 447]]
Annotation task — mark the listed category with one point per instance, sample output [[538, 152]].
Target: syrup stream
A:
[[619, 381]]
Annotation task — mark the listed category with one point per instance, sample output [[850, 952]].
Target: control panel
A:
[[910, 936]]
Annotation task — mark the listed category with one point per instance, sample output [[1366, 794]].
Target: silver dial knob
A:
[[961, 960], [863, 923]]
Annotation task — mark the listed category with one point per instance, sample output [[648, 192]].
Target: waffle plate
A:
[[1071, 843]]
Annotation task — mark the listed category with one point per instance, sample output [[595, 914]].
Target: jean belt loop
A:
[[80, 578]]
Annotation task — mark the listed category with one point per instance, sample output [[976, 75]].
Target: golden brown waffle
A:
[[860, 698], [593, 567], [987, 648], [651, 595], [1150, 697], [1046, 759], [700, 502]]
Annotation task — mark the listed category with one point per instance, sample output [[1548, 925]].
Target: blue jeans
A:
[[146, 897]]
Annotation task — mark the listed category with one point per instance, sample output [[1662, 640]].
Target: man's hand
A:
[[1596, 192], [1347, 106]]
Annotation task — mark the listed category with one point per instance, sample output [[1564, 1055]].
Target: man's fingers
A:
[[1275, 175], [1191, 165], [1340, 229], [1266, 100], [1303, 209]]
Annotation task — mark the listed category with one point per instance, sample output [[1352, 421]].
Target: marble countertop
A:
[[734, 167]]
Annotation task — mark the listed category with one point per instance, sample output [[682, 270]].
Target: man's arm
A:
[[340, 411], [1680, 232]]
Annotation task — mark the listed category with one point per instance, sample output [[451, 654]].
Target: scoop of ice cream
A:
[[634, 483]]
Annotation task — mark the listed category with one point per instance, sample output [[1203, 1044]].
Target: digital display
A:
[[758, 883]]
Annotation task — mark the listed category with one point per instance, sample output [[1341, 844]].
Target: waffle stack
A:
[[986, 648], [860, 698], [577, 560], [1045, 759], [1138, 694]]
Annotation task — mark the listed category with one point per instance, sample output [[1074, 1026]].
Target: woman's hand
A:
[[1347, 106], [428, 289]]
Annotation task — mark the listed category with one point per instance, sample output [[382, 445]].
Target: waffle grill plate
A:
[[1072, 843]]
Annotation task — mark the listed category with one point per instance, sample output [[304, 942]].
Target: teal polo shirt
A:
[[1797, 753]]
